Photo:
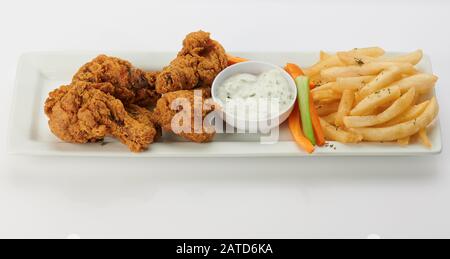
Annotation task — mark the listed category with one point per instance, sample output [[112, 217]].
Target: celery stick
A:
[[302, 83]]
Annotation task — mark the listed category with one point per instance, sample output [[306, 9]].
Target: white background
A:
[[224, 198]]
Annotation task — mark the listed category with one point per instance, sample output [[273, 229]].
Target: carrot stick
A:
[[318, 131], [295, 71], [297, 132], [234, 60]]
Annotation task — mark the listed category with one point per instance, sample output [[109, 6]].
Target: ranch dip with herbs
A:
[[253, 96]]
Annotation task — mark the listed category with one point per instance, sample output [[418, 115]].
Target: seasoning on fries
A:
[[367, 96]]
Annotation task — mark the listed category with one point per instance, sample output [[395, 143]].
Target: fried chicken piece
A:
[[130, 85], [196, 65], [81, 113], [144, 116], [164, 114], [147, 97]]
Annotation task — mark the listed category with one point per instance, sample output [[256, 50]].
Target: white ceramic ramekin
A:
[[256, 68]]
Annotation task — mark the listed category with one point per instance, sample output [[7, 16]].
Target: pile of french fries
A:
[[363, 95]]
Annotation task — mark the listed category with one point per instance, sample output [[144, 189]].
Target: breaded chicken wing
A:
[[196, 65], [81, 113], [130, 85], [164, 114]]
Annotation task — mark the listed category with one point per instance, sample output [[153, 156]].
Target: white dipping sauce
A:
[[252, 96]]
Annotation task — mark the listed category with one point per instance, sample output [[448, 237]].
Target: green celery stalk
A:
[[302, 83]]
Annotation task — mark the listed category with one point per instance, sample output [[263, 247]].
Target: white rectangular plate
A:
[[39, 73]]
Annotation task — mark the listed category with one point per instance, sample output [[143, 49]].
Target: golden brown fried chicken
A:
[[81, 113], [144, 116], [147, 96], [130, 85], [164, 114], [196, 65]]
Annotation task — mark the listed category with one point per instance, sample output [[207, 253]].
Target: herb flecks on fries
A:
[[366, 96]]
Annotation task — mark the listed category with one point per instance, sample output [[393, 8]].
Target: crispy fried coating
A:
[[81, 113], [130, 85], [164, 114], [147, 96], [196, 65], [145, 116]]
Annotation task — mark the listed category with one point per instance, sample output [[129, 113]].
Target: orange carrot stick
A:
[[234, 60], [295, 71], [318, 131], [297, 132]]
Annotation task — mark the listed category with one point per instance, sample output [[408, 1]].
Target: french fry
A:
[[371, 69], [331, 74], [412, 58], [327, 108], [418, 98], [398, 107], [327, 86], [424, 138], [317, 80], [324, 55], [352, 83], [411, 114], [383, 79], [326, 96], [373, 101], [402, 130], [331, 118], [352, 58], [334, 133], [383, 107], [371, 51], [359, 56], [345, 106], [404, 141], [332, 61], [422, 82]]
